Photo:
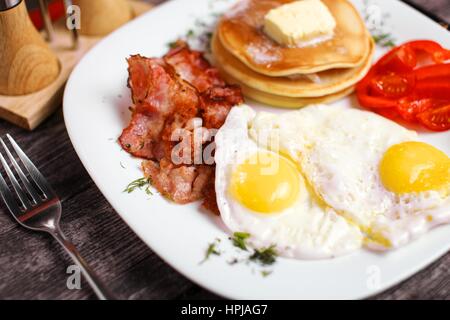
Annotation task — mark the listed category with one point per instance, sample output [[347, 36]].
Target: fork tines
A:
[[27, 193]]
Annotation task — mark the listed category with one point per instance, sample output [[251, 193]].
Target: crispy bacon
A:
[[157, 92], [193, 67], [157, 88], [179, 91], [209, 194], [181, 184], [140, 137], [216, 103]]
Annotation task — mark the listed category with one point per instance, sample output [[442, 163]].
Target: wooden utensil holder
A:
[[29, 110]]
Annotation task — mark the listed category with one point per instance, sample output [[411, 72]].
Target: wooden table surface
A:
[[33, 266]]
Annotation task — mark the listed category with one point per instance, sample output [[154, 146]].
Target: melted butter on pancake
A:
[[241, 31], [300, 23]]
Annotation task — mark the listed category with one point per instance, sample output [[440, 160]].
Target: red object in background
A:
[[56, 10]]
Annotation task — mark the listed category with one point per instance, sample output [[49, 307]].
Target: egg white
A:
[[307, 230]]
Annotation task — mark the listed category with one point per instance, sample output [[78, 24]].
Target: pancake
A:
[[241, 32], [282, 101], [331, 81]]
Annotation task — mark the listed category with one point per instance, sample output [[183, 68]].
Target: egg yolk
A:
[[415, 167], [266, 183]]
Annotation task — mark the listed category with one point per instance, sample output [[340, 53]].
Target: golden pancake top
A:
[[241, 32]]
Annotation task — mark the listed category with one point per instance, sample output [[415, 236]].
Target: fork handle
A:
[[94, 281]]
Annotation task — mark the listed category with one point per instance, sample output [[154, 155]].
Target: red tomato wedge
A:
[[402, 59], [392, 85], [409, 108], [436, 119]]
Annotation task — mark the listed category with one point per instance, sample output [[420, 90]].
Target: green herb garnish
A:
[[212, 250], [239, 240], [190, 33], [172, 45], [265, 256], [384, 40], [389, 44], [266, 273], [139, 184], [381, 37]]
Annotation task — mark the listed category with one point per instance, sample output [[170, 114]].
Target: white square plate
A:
[[95, 111]]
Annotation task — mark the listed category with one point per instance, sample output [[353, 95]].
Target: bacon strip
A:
[[170, 94], [157, 92], [140, 137], [216, 103], [193, 67], [181, 184]]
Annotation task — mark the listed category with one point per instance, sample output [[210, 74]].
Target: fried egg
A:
[[263, 192], [371, 171]]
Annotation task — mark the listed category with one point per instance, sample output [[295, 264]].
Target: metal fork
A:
[[38, 208]]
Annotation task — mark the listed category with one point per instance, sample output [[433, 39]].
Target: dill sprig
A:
[[139, 184], [172, 45], [384, 40], [239, 238], [266, 273], [211, 250], [190, 33], [265, 256]]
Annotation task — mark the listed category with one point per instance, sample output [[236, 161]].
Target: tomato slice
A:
[[392, 85], [434, 49], [409, 108], [391, 113], [436, 119], [399, 60], [433, 88], [397, 86], [366, 99], [376, 102], [433, 71]]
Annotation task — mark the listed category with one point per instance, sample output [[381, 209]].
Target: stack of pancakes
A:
[[291, 77]]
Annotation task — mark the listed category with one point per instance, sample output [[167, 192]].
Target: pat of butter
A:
[[299, 23]]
